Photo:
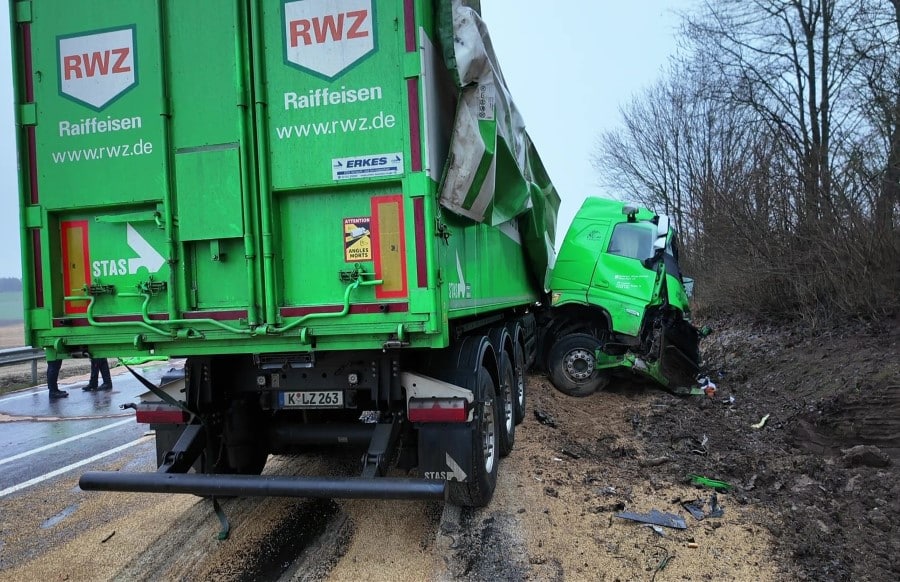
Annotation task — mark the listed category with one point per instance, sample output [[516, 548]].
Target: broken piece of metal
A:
[[695, 508], [655, 517]]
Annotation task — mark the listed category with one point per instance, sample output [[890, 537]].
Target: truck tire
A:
[[507, 399], [478, 488], [519, 386], [572, 365]]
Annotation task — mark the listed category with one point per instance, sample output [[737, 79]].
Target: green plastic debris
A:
[[711, 483], [137, 361]]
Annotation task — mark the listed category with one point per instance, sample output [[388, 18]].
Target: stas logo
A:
[[95, 69], [326, 37]]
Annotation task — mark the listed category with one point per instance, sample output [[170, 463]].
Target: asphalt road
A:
[[41, 439]]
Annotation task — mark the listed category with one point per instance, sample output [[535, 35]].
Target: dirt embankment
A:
[[805, 428]]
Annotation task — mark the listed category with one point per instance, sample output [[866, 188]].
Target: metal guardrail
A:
[[12, 356]]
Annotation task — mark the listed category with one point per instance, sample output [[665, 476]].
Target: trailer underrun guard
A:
[[172, 475]]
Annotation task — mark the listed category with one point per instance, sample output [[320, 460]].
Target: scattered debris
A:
[[663, 562], [655, 517], [695, 508], [714, 509], [107, 538], [761, 423], [705, 386], [659, 531], [544, 418], [693, 545], [711, 483]]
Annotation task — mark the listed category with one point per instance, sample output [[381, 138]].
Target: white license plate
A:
[[319, 399]]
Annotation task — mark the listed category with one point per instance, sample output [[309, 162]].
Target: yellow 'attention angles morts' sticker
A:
[[357, 239]]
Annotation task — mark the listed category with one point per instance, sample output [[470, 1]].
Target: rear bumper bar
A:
[[266, 486]]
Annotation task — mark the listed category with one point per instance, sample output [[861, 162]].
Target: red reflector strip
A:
[[421, 258], [437, 410], [76, 258], [415, 135], [389, 246], [160, 414], [409, 24], [38, 267], [30, 139]]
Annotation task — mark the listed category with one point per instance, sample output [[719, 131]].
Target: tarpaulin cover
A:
[[494, 173]]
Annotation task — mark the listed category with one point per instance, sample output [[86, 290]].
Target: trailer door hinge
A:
[[23, 11], [441, 231]]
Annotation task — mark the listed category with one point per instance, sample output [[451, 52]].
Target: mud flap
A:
[[679, 359], [445, 451]]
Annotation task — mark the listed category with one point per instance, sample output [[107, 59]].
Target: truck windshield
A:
[[633, 240]]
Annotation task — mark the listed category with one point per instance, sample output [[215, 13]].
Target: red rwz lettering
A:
[[299, 29], [319, 29], [72, 66], [119, 66], [94, 62], [322, 27], [358, 16]]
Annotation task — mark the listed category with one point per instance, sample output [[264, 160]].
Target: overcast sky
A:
[[569, 69]]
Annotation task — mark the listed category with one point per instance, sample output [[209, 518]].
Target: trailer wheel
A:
[[573, 365], [478, 488], [507, 399], [519, 386]]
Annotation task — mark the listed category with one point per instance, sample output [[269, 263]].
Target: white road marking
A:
[[30, 393], [64, 441], [68, 468], [38, 390]]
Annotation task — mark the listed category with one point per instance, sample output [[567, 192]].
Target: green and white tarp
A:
[[494, 173]]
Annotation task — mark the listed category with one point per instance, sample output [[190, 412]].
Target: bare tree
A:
[[774, 143], [876, 43]]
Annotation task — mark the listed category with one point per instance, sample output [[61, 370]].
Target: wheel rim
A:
[[579, 364], [506, 390], [520, 377], [487, 431]]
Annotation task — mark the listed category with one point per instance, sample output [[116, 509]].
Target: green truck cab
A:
[[618, 302]]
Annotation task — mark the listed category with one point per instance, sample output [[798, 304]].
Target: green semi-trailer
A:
[[333, 211], [327, 207]]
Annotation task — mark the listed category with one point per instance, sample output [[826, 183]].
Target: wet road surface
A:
[[42, 438]]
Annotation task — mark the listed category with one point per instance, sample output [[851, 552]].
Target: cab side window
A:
[[633, 240]]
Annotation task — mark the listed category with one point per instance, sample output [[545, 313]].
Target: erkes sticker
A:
[[95, 69], [326, 37]]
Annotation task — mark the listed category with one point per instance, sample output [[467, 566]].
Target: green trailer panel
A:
[[244, 176]]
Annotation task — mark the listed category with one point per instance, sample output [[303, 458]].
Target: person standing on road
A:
[[53, 367], [99, 367]]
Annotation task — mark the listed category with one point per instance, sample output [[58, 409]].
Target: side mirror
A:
[[662, 231], [662, 227]]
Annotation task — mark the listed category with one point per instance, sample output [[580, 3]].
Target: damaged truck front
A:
[[331, 209], [618, 303]]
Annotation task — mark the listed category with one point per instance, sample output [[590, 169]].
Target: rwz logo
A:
[[326, 37], [97, 68]]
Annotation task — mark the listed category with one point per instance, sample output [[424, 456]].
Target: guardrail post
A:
[[23, 355]]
